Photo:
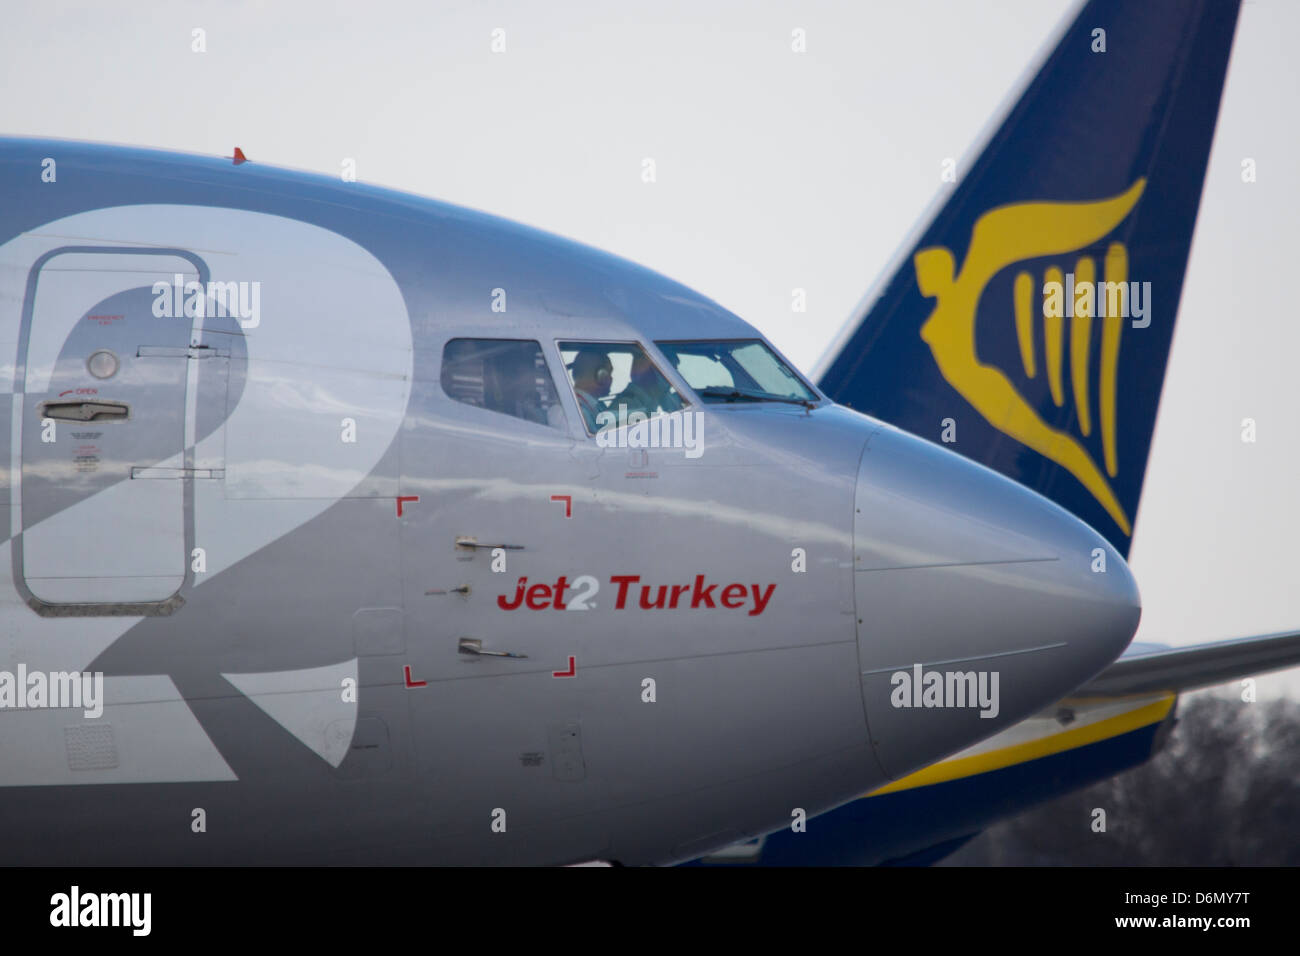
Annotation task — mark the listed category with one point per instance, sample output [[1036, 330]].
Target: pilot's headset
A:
[[595, 365]]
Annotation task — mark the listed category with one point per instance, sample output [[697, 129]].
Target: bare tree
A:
[[1225, 791]]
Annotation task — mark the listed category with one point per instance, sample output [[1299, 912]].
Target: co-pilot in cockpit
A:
[[615, 383]]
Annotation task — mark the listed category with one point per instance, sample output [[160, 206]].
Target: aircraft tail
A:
[[1028, 326]]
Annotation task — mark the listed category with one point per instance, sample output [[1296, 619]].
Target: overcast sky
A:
[[775, 170]]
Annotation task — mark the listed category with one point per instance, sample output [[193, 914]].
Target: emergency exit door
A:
[[104, 364]]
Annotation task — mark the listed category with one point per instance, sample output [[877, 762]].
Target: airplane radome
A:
[[317, 556]]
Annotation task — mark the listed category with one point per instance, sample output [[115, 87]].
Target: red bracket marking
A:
[[571, 672], [406, 672], [568, 507], [402, 498]]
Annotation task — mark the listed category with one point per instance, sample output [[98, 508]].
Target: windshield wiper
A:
[[734, 394]]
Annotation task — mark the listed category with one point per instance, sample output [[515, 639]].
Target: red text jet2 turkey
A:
[[540, 597]]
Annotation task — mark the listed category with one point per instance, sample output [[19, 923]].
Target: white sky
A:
[[775, 170]]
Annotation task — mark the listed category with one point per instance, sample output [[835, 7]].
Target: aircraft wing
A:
[[1144, 668]]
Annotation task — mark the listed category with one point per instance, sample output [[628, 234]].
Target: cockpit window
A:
[[737, 370], [615, 384], [502, 375]]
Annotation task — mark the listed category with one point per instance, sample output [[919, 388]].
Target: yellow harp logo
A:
[[1002, 237]]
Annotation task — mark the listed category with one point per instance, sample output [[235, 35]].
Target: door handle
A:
[[467, 542], [474, 647], [86, 411]]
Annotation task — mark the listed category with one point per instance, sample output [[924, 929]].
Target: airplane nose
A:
[[979, 601]]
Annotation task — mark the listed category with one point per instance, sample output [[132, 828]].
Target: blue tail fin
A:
[[1030, 325]]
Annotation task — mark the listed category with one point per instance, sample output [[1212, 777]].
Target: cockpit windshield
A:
[[616, 384], [737, 370]]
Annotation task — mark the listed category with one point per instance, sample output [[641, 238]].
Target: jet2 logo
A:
[[752, 598]]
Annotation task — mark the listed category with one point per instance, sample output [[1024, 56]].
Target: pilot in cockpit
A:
[[647, 391], [592, 374]]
